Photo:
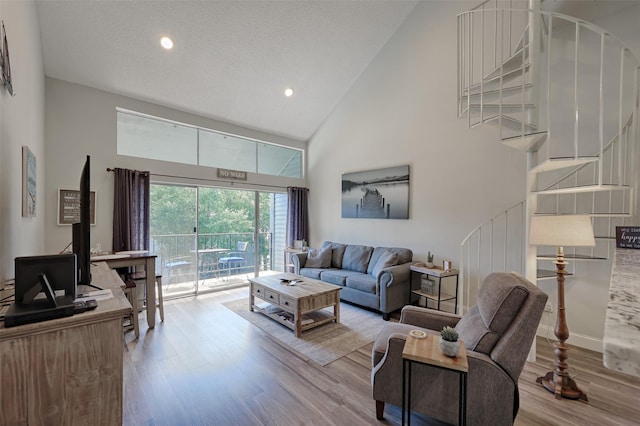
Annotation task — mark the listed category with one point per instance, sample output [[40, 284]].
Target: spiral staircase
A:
[[565, 93]]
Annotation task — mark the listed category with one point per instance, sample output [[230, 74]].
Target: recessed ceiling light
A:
[[288, 92], [166, 42]]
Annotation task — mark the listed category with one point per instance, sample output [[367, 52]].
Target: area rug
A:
[[326, 343]]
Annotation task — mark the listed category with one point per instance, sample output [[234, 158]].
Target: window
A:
[[157, 139]]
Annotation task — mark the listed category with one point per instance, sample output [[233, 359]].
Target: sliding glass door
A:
[[235, 235], [173, 237]]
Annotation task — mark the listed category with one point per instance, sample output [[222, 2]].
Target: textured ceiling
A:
[[232, 60]]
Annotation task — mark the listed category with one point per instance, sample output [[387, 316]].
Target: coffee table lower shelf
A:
[[316, 318]]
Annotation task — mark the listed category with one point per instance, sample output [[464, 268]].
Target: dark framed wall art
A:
[[69, 206], [379, 193]]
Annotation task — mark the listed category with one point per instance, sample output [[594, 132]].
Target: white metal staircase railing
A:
[[565, 92]]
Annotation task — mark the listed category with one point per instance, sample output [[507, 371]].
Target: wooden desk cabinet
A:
[[66, 371]]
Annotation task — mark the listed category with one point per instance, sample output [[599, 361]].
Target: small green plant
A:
[[449, 334], [429, 257]]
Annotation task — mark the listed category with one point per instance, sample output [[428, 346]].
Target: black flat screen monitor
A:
[[81, 229], [60, 271]]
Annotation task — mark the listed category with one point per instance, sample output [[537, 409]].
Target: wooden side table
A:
[[427, 351], [438, 296]]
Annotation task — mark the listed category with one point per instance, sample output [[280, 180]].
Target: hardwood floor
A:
[[206, 365]]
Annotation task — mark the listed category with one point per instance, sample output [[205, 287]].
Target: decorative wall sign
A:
[[69, 206], [232, 174], [628, 237], [381, 193], [28, 182]]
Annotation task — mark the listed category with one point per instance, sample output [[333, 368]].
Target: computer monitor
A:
[[59, 270], [82, 229]]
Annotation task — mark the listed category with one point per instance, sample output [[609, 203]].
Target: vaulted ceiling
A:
[[231, 61]]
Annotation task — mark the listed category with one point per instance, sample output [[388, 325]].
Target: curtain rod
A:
[[109, 169]]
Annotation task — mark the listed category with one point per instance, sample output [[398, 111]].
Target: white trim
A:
[[575, 339]]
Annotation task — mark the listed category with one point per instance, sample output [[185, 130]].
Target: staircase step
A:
[[530, 142], [562, 163], [506, 108], [570, 256], [514, 63], [510, 123], [495, 93], [581, 189], [494, 82]]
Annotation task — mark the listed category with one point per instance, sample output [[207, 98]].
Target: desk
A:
[[149, 262], [67, 370], [427, 351]]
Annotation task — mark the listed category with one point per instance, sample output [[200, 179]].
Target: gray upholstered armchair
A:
[[497, 334]]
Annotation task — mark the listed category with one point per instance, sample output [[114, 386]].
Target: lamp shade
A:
[[562, 230]]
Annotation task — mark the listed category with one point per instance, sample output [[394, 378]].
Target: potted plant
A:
[[449, 343], [429, 260]]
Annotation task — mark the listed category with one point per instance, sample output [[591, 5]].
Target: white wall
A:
[[21, 123], [403, 111], [81, 121]]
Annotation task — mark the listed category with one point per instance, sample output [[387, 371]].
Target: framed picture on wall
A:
[[28, 182], [69, 206], [379, 193]]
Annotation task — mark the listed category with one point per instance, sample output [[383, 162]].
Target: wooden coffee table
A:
[[298, 304]]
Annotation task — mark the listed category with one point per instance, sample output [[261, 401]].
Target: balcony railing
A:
[[178, 255]]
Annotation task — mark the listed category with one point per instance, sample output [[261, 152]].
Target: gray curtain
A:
[[297, 215], [130, 210]]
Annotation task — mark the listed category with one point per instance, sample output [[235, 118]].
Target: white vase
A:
[[449, 348], [429, 265]]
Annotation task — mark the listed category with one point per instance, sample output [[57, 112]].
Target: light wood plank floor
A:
[[206, 365]]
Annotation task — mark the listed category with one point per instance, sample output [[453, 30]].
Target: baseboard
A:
[[575, 339]]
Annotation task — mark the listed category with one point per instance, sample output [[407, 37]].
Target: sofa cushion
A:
[[386, 260], [356, 258], [337, 252], [318, 258], [404, 256], [362, 282], [337, 276], [312, 272]]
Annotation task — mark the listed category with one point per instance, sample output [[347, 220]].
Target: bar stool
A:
[[130, 290], [142, 276]]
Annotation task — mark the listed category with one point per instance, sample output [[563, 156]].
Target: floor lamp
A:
[[561, 231]]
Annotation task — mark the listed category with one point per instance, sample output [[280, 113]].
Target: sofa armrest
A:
[[392, 285], [298, 260], [394, 274], [428, 318]]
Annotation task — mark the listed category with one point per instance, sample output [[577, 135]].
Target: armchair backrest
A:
[[504, 322]]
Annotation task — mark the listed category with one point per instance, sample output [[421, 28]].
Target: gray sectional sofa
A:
[[375, 277]]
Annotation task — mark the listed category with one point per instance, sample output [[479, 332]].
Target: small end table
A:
[[438, 273], [427, 351]]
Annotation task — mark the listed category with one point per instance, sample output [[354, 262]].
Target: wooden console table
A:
[[149, 263], [66, 371]]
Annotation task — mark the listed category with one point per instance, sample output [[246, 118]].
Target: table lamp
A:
[[560, 231]]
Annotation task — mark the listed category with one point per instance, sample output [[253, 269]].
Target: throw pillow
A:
[[386, 260], [318, 258]]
